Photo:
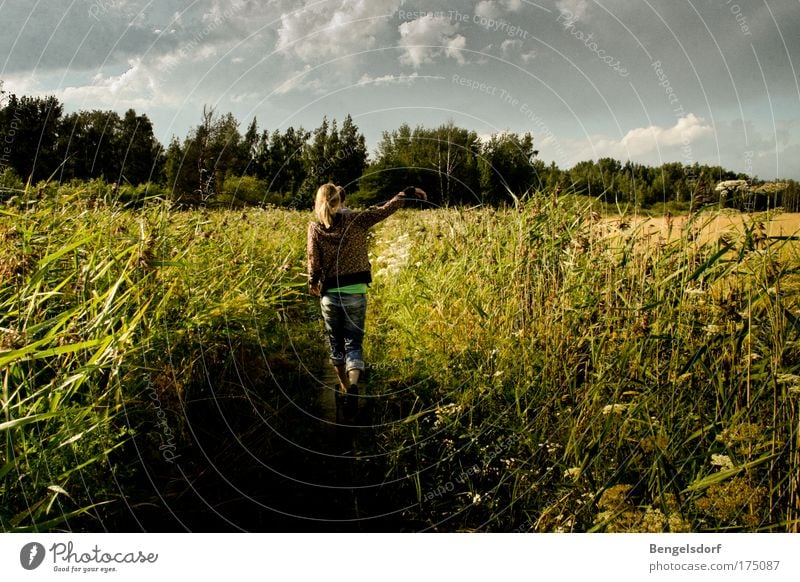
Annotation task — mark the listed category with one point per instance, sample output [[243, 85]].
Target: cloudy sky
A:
[[712, 81]]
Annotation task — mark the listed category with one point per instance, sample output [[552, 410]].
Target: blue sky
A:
[[711, 81]]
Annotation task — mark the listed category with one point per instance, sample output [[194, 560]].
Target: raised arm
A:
[[372, 216]]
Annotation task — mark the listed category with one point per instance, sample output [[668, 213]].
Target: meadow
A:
[[538, 368]]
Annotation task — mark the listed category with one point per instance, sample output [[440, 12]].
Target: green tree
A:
[[353, 155], [210, 152], [585, 178], [176, 176], [142, 155], [507, 167], [90, 146], [29, 135], [287, 169], [249, 149], [443, 161]]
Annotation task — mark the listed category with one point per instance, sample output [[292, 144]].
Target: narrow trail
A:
[[296, 467]]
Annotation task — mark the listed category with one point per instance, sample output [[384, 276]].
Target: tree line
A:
[[218, 164]]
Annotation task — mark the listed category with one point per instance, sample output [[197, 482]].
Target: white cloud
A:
[[246, 97], [316, 32], [454, 46], [511, 5], [646, 144], [492, 8], [384, 80], [513, 47], [429, 36], [643, 140], [487, 9], [577, 8], [300, 81], [510, 45], [135, 87]]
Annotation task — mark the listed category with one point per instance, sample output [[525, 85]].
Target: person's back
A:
[[339, 272], [338, 253]]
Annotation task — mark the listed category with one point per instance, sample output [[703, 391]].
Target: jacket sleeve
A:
[[314, 253], [372, 216]]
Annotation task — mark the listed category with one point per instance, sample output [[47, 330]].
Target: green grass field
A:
[[531, 369]]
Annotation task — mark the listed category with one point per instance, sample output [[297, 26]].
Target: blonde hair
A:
[[328, 201]]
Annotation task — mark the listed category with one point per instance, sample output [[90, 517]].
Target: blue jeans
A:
[[344, 316]]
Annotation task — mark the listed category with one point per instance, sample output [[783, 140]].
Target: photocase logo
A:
[[31, 556]]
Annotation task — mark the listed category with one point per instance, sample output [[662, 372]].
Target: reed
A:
[[570, 376], [535, 368], [105, 311]]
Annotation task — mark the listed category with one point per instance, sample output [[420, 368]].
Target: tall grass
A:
[[110, 322], [532, 369], [565, 377]]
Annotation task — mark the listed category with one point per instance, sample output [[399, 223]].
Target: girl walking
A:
[[339, 273]]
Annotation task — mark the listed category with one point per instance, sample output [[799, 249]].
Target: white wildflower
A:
[[721, 461], [791, 380], [553, 448], [614, 408], [731, 186], [396, 256], [444, 413]]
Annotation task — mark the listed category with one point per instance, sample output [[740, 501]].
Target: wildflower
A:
[[653, 521], [793, 380], [770, 187], [614, 408], [653, 443], [728, 186], [617, 511], [722, 461], [443, 413], [476, 498], [745, 432], [11, 339], [678, 525], [733, 500], [615, 497]]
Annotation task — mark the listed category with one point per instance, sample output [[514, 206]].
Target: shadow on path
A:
[[286, 462]]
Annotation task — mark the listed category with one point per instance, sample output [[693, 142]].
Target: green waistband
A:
[[350, 289]]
